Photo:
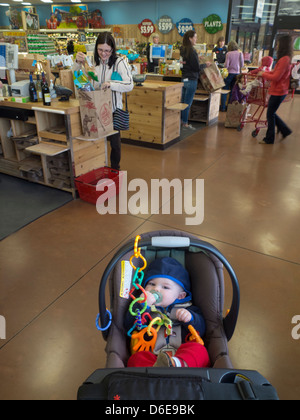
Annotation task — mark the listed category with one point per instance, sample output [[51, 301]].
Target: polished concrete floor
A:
[[50, 269]]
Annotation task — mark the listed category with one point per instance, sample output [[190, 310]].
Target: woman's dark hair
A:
[[186, 43], [106, 38], [285, 47]]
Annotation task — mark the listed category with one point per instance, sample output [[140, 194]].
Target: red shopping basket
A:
[[87, 184]]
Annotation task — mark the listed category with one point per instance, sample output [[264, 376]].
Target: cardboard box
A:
[[211, 77], [96, 113], [20, 99]]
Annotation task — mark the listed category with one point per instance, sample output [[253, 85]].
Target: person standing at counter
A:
[[190, 73], [233, 63], [113, 73], [152, 62], [220, 50]]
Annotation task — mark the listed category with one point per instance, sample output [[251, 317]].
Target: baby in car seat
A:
[[168, 295]]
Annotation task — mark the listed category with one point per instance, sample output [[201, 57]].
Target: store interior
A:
[[55, 245]]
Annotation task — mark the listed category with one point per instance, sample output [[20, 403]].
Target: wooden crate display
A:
[[145, 108], [154, 112]]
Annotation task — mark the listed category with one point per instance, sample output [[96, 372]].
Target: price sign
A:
[[184, 25], [146, 27], [165, 24]]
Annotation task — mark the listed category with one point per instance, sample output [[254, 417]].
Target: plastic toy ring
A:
[[141, 311], [108, 324], [144, 261], [154, 321]]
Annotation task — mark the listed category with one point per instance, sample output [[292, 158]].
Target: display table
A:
[[154, 114], [45, 148], [205, 107]]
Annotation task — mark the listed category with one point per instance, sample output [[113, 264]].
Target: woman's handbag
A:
[[121, 118]]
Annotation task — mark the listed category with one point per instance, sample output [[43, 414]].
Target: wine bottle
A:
[[45, 91], [38, 87], [32, 90]]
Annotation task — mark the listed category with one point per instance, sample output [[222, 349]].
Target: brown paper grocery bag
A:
[[211, 77], [96, 113], [234, 114]]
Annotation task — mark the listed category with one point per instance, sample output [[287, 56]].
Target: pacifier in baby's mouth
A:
[[157, 295]]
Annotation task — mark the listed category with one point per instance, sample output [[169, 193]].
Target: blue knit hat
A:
[[170, 268]]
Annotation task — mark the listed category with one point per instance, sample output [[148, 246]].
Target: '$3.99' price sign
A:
[[146, 27]]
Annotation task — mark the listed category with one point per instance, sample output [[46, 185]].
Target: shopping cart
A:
[[257, 94], [257, 89]]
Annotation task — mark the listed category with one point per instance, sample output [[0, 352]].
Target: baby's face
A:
[[169, 290]]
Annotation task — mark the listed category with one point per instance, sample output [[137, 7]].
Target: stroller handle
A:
[[229, 322]]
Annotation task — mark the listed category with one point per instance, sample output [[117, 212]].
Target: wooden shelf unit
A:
[[58, 156], [205, 106]]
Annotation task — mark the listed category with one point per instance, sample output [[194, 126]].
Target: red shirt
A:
[[279, 77]]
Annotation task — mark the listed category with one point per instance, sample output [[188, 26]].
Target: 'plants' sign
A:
[[212, 24]]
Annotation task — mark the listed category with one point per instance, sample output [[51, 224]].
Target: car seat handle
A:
[[170, 241]]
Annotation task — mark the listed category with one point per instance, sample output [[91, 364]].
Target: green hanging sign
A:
[[212, 24]]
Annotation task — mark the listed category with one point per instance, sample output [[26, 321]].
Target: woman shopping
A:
[[233, 63], [107, 65], [280, 82], [190, 74]]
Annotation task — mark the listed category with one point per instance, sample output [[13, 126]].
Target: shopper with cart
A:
[[280, 82]]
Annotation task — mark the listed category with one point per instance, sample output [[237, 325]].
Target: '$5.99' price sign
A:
[[146, 27]]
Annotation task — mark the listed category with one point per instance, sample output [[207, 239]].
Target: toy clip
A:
[[108, 324]]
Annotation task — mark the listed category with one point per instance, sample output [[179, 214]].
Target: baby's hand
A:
[[150, 298], [183, 315]]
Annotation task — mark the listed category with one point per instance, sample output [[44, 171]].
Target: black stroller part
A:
[[229, 322], [166, 384]]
